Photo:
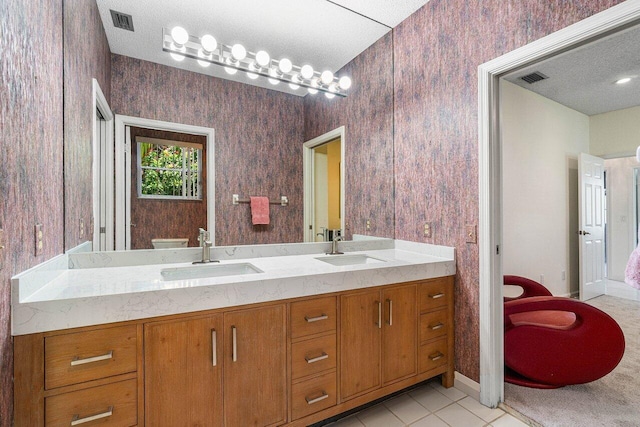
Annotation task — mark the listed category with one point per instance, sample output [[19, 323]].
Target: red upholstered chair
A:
[[551, 341]]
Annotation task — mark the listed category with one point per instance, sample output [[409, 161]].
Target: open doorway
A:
[[491, 179], [323, 171], [193, 146]]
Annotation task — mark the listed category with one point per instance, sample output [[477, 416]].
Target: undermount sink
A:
[[358, 259], [208, 270]]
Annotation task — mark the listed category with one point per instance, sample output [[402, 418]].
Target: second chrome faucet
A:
[[205, 243]]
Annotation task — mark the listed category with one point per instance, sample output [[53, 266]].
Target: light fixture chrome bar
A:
[[222, 56]]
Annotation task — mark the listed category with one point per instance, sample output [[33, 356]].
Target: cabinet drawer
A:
[[313, 395], [108, 405], [313, 316], [313, 356], [85, 356], [434, 294], [433, 355], [434, 325]]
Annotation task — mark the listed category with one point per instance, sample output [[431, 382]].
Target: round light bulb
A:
[[312, 91], [252, 76], [329, 95], [294, 86], [209, 43], [203, 55], [177, 56], [333, 88], [179, 36], [344, 82], [326, 77], [273, 81], [285, 65], [306, 71], [238, 52], [230, 70], [263, 59]]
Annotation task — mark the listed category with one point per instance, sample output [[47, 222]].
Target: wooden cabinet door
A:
[[400, 332], [183, 372], [255, 367], [360, 335]]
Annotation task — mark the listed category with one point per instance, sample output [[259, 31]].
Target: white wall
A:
[[540, 141], [620, 214], [615, 134]]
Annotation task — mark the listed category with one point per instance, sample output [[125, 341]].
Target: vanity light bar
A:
[[236, 57]]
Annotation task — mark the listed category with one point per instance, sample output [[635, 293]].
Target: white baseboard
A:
[[467, 385]]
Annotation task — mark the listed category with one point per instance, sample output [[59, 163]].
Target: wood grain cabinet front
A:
[[111, 405], [85, 356]]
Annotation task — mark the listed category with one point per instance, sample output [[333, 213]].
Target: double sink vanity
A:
[[271, 335]]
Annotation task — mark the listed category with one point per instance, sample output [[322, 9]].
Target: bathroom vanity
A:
[[272, 335]]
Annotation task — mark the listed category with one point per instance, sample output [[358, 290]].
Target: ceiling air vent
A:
[[534, 77], [122, 20]]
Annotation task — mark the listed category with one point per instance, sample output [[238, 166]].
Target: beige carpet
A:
[[610, 401]]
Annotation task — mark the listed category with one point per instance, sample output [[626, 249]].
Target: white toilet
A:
[[169, 243]]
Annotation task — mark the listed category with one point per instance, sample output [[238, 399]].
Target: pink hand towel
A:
[[259, 210]]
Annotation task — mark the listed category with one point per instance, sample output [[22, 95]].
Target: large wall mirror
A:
[[258, 144]]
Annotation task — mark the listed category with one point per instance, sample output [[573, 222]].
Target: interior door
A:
[[591, 226]]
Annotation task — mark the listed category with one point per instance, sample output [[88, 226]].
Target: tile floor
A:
[[430, 406]]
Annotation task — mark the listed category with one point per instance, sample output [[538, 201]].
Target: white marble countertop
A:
[[76, 290]]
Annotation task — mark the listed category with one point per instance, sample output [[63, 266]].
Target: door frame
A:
[[490, 177], [102, 175], [308, 171], [123, 172]]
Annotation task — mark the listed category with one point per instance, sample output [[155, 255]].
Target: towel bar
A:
[[284, 200]]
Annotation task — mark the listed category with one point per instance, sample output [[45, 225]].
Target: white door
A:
[[591, 225]]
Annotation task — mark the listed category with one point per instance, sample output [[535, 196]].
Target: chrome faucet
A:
[[334, 245], [205, 243]]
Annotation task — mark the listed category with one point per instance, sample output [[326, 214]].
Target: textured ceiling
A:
[[325, 34], [584, 78]]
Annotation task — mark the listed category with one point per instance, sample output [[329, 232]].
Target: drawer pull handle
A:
[[379, 314], [317, 359], [234, 344], [437, 326], [315, 319], [77, 361], [76, 420], [317, 399], [214, 347], [436, 356], [436, 296], [390, 322]]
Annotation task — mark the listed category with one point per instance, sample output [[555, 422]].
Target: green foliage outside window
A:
[[165, 168]]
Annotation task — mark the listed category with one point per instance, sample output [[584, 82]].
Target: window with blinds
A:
[[169, 169]]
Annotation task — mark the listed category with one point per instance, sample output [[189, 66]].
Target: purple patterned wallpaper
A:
[[258, 140], [436, 54], [31, 135], [86, 56], [367, 114]]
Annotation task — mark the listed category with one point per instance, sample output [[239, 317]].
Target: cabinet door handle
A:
[[76, 420], [390, 322], [436, 296], [317, 359], [315, 319], [437, 326], [435, 356], [379, 314], [77, 361], [234, 349], [214, 347], [317, 399]]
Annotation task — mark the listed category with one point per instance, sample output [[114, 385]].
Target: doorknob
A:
[[583, 233]]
